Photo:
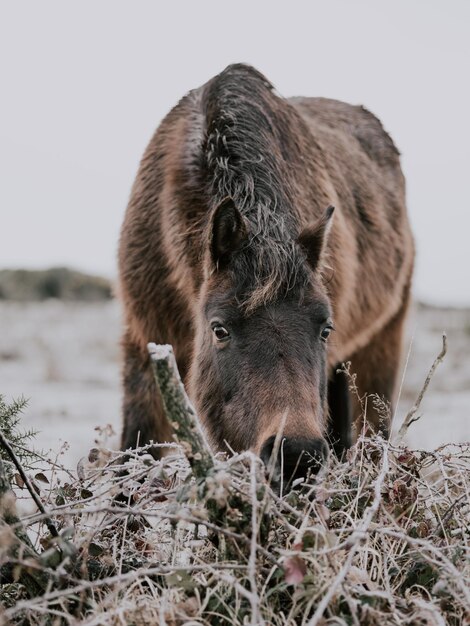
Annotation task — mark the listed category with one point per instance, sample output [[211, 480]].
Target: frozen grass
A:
[[380, 538]]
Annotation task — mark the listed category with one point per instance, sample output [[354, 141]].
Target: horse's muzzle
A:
[[296, 457]]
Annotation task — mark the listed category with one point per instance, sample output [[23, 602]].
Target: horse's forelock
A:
[[267, 270]]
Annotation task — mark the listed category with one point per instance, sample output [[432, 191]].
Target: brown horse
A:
[[231, 251]]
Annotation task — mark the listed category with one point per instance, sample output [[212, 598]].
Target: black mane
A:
[[246, 158]]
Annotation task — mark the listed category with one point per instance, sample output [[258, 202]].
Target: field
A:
[[64, 356]]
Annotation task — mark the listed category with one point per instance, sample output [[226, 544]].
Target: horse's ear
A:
[[228, 232], [313, 238]]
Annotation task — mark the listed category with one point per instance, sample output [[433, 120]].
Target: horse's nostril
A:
[[296, 456]]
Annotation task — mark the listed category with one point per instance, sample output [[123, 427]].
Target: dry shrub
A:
[[56, 282], [381, 538]]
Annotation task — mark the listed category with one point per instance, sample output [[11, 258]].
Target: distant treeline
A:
[[57, 282]]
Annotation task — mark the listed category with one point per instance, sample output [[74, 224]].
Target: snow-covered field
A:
[[65, 358]]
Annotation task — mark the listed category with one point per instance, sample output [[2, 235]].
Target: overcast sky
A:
[[85, 83]]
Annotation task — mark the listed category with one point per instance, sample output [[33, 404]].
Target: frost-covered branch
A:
[[179, 409]]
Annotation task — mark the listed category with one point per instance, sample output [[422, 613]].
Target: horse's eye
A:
[[220, 332], [325, 333]]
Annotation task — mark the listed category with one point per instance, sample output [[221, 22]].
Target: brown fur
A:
[[281, 162]]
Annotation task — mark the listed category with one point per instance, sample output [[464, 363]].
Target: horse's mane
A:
[[246, 150]]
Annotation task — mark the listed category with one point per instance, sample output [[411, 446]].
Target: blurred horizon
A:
[[91, 276], [86, 85]]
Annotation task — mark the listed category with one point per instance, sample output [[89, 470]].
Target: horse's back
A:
[[352, 121]]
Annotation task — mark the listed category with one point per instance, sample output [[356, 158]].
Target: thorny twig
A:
[[19, 544], [49, 523], [254, 599], [410, 417]]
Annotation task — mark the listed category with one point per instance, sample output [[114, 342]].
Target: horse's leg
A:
[[144, 418], [340, 412], [376, 368]]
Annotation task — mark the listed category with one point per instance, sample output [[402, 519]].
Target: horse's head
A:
[[259, 370]]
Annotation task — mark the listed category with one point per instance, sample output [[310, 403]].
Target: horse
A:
[[267, 239]]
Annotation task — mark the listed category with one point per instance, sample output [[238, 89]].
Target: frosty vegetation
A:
[[381, 537], [56, 282]]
